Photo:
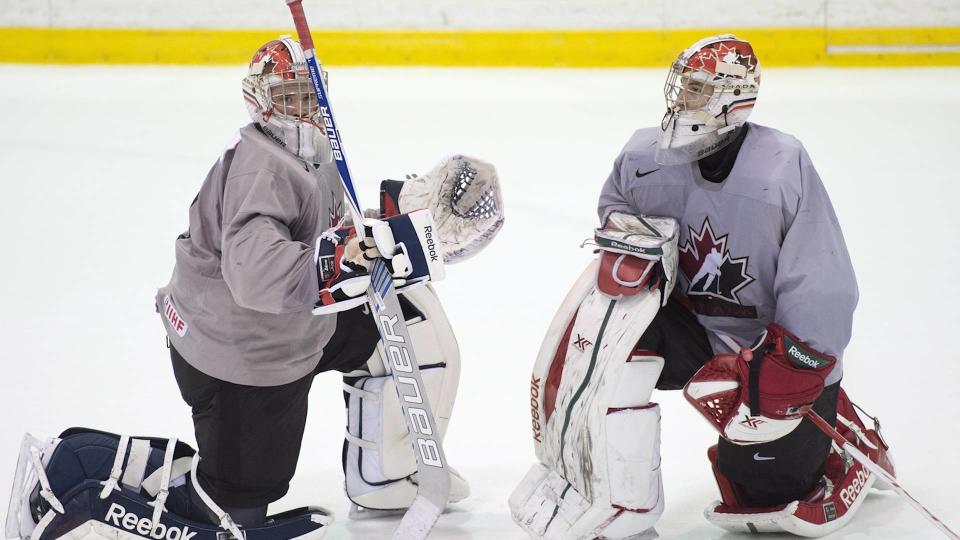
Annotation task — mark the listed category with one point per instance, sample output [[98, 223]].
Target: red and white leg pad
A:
[[831, 506], [595, 431]]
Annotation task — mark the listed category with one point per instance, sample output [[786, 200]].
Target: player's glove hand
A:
[[379, 242], [407, 244], [762, 393], [342, 283]]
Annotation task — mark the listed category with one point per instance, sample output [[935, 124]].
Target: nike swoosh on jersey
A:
[[641, 175], [758, 457]]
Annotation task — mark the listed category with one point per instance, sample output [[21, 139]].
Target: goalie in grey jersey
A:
[[722, 271], [268, 290]]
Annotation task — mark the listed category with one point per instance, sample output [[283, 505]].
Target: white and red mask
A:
[[710, 91], [280, 98]]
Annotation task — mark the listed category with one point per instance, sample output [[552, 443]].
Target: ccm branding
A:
[[409, 388], [120, 518]]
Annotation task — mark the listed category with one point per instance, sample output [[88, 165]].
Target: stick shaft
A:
[[879, 471], [433, 490]]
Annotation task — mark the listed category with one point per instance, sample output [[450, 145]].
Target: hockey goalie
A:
[[270, 289], [721, 270]]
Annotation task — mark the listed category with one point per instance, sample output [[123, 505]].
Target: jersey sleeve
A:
[[613, 195], [265, 269], [816, 289]]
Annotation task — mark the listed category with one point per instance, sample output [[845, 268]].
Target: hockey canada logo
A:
[[714, 276]]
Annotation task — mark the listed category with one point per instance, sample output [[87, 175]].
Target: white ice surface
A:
[[99, 165]]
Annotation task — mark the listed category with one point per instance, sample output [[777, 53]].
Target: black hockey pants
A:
[[768, 474], [249, 437]]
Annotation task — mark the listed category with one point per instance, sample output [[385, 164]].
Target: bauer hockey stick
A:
[[879, 471], [433, 478]]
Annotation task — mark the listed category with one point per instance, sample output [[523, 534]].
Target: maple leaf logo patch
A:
[[714, 276]]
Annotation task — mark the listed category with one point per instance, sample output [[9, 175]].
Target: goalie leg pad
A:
[[596, 432], [830, 506], [379, 463], [88, 484], [548, 507]]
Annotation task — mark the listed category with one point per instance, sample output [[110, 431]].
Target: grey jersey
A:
[[238, 306], [762, 246]]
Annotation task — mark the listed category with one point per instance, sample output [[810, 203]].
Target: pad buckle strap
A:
[[362, 443], [852, 426], [754, 383], [111, 483], [159, 504], [876, 423], [226, 522], [45, 490], [616, 270], [364, 394]]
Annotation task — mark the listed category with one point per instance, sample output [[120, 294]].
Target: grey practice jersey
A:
[[238, 307], [762, 246]]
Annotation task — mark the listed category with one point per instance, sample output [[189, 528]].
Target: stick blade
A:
[[418, 521]]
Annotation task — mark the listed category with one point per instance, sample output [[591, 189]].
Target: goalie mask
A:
[[281, 100], [710, 91]]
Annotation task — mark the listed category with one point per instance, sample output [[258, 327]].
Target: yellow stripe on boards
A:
[[778, 47]]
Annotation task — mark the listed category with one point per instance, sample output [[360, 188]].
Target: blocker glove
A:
[[379, 242], [407, 244], [762, 393]]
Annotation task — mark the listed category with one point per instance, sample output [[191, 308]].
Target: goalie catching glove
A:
[[762, 393], [444, 216], [463, 195]]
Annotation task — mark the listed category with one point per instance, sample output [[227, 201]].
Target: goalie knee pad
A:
[[830, 506], [378, 459], [88, 484], [596, 433]]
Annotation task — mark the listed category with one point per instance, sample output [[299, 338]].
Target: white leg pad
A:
[[379, 463], [547, 507], [596, 433]]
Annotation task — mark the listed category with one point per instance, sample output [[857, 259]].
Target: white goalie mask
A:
[[710, 91], [281, 100]]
